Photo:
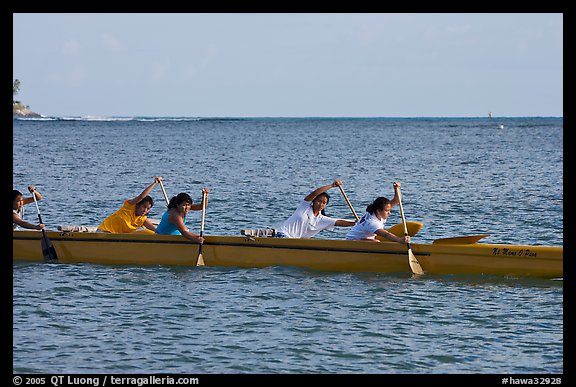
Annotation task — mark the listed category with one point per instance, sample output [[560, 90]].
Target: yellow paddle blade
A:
[[200, 261], [414, 264]]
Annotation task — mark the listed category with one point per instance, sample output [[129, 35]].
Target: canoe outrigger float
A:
[[458, 255]]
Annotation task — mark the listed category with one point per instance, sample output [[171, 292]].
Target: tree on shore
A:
[[15, 90], [19, 109], [16, 87]]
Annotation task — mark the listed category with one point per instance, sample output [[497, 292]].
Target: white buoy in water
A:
[[501, 126]]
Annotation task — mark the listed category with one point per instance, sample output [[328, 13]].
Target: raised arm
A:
[[320, 190], [396, 199], [29, 200], [198, 207], [146, 191]]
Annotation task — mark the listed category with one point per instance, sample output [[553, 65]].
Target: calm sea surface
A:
[[459, 176]]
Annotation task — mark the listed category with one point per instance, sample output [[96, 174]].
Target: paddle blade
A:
[[461, 240], [200, 261], [48, 251], [414, 264]]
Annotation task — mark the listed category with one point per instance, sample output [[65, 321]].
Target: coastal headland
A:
[[19, 110]]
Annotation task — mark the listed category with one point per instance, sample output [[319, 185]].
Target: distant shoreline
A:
[[27, 113]]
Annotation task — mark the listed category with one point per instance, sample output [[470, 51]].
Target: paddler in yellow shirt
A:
[[133, 214]]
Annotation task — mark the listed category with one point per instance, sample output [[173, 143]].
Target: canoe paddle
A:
[[164, 192], [200, 260], [414, 264], [348, 201], [48, 250]]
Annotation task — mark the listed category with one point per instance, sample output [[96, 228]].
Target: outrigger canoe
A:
[[458, 255]]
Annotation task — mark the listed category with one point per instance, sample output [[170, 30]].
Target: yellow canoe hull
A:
[[319, 254]]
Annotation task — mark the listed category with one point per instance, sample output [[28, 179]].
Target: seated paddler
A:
[[133, 214], [174, 219], [310, 216], [373, 221], [18, 202]]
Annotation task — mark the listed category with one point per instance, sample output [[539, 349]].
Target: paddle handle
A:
[[348, 201], [200, 259], [399, 194], [204, 194], [164, 192], [37, 208]]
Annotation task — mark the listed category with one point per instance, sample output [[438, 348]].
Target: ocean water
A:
[[459, 176]]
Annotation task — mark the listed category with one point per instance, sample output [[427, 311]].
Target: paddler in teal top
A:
[[172, 222]]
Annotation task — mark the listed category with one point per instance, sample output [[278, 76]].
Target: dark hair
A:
[[323, 212], [179, 199], [147, 199], [377, 204], [15, 193]]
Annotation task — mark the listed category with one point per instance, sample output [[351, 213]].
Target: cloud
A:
[[110, 42], [71, 48]]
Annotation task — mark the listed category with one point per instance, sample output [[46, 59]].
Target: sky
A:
[[290, 65]]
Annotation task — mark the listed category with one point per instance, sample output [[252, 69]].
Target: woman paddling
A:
[[133, 214], [309, 218], [172, 222], [372, 223], [18, 202]]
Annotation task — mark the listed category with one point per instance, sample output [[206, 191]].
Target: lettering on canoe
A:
[[513, 252]]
